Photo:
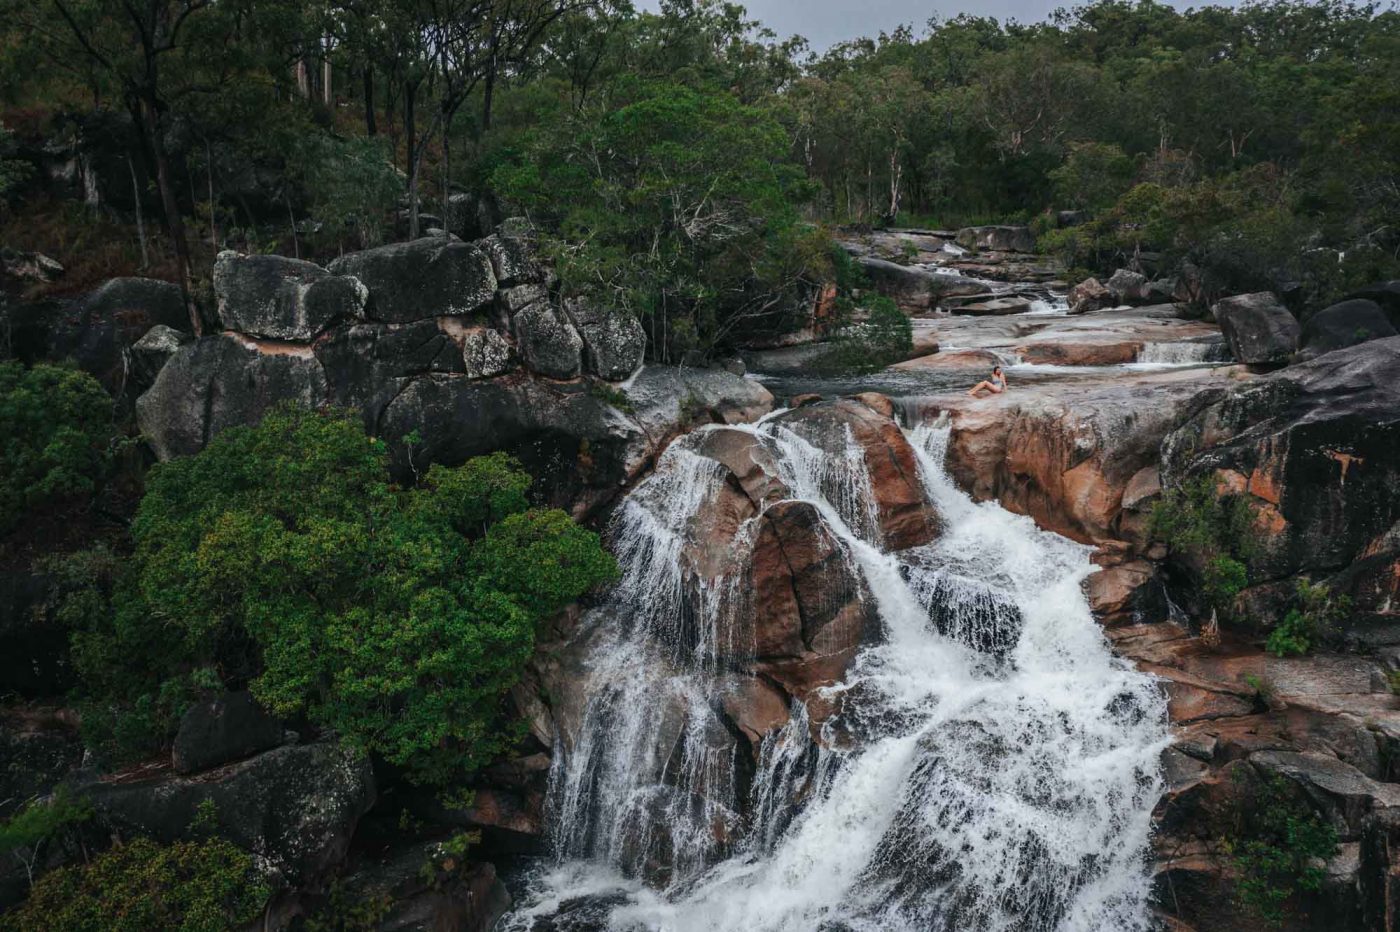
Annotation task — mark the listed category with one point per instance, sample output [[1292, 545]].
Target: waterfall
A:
[[1184, 354], [990, 764]]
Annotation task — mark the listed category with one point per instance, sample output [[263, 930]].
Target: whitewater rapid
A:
[[995, 770]]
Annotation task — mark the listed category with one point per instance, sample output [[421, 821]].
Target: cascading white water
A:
[[992, 766], [1183, 354]]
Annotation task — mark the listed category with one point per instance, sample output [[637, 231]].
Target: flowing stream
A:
[[990, 764]]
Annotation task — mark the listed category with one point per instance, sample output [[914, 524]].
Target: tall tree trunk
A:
[[410, 129], [174, 223], [327, 96], [140, 220], [488, 94], [446, 178], [370, 128]]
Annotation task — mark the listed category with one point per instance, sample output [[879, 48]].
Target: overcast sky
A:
[[826, 22]]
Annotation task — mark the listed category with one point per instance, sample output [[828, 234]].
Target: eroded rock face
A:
[[278, 298], [904, 517], [1259, 329], [1316, 449], [150, 353], [1128, 287], [435, 276], [296, 806]]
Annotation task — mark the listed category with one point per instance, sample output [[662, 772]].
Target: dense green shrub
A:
[[1277, 849], [26, 835], [282, 556], [1211, 530], [203, 886], [883, 337], [55, 437], [1314, 613]]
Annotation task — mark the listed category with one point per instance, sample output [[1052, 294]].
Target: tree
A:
[[282, 556]]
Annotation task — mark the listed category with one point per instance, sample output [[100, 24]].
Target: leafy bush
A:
[[1211, 530], [26, 835], [204, 886], [885, 336], [1275, 849], [55, 437], [1314, 613], [283, 557], [1093, 174]]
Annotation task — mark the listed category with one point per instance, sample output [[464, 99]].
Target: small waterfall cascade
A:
[[1184, 353], [982, 762]]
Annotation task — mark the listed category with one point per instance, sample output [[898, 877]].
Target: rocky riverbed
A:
[[792, 543]]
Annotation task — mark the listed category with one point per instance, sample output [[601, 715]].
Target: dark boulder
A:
[[222, 381], [434, 276], [97, 331], [1345, 324], [614, 341], [283, 299], [548, 342], [296, 806], [1259, 329], [365, 364], [227, 728], [1384, 294]]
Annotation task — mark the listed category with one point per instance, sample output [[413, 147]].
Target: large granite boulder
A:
[[1384, 294], [513, 259], [279, 298], [614, 341], [223, 729], [1002, 238], [916, 289], [548, 342], [1128, 287], [296, 806], [1345, 324], [1259, 329], [435, 276], [424, 888], [1089, 295], [221, 381], [97, 331]]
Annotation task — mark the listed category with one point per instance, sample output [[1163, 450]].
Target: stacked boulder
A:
[[461, 345]]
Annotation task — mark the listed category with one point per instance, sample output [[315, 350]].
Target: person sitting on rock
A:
[[996, 384]]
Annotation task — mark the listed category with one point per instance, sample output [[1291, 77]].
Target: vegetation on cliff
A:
[[283, 558]]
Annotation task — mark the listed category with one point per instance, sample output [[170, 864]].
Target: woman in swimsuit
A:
[[996, 384]]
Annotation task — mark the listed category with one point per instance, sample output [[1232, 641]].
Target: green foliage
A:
[[1210, 529], [1276, 849], [55, 437], [13, 172], [349, 183], [26, 835], [204, 886], [1315, 612], [1093, 174], [282, 555], [885, 336], [677, 205]]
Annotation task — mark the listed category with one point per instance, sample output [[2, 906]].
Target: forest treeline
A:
[[688, 163]]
